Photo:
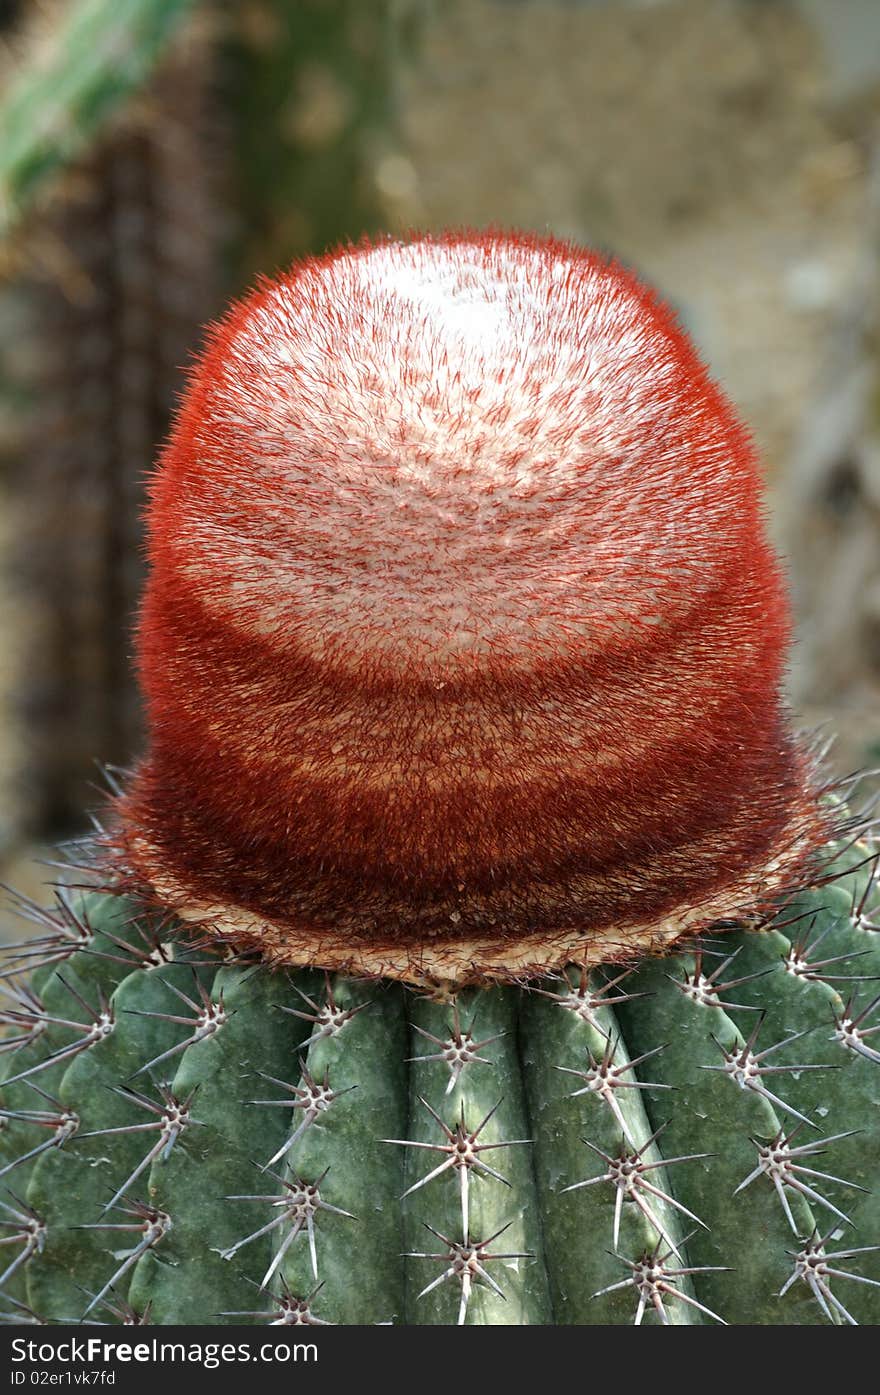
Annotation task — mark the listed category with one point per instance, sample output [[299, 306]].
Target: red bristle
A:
[[463, 643]]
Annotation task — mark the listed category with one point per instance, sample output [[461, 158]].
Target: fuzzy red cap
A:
[[463, 644]]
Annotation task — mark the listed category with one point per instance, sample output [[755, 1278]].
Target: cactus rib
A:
[[693, 1140]]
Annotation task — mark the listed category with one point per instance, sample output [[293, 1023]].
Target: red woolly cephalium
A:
[[463, 643]]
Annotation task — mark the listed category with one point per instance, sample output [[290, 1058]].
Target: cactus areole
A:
[[462, 652], [463, 642]]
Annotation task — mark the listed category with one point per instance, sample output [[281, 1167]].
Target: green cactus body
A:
[[101, 56], [202, 1141]]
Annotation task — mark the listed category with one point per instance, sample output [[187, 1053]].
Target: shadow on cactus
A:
[[476, 942]]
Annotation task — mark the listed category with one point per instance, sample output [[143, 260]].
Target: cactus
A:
[[694, 1139], [314, 90], [100, 55], [297, 1052], [141, 236]]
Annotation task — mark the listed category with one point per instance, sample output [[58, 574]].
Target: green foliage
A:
[[100, 55], [695, 1139], [314, 95]]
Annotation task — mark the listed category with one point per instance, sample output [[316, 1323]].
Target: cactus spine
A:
[[695, 1139], [462, 652]]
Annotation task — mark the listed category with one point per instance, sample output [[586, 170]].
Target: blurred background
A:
[[156, 155]]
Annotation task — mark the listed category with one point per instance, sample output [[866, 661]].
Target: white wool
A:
[[438, 451]]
